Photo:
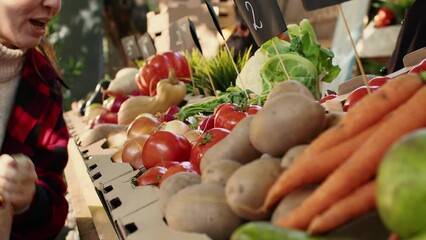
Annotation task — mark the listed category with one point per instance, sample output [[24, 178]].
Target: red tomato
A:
[[384, 17], [229, 114], [328, 97], [421, 67], [206, 141], [357, 95], [158, 68], [378, 81], [206, 124], [167, 164], [151, 176], [182, 167], [163, 146]]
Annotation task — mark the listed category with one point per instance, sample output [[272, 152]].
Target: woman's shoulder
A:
[[39, 70]]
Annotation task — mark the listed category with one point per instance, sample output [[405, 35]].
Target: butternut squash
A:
[[170, 92]]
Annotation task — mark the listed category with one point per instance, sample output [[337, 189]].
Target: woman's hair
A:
[[49, 51]]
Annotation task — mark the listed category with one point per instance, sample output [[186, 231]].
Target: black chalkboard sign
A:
[[264, 18], [147, 46], [180, 35], [310, 5], [131, 47]]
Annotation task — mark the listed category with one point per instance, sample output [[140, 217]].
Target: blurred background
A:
[[92, 37]]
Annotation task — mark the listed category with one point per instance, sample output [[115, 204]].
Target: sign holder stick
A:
[[361, 68]]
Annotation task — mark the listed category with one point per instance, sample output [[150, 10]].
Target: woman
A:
[[33, 135], [411, 36]]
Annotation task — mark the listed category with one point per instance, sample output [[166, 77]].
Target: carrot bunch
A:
[[345, 158]]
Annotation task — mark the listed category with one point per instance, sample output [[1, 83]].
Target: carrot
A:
[[312, 168], [369, 110], [376, 105], [363, 163], [357, 203]]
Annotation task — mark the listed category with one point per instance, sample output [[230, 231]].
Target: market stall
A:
[[218, 146]]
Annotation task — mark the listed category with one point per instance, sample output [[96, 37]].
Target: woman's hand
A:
[[17, 180]]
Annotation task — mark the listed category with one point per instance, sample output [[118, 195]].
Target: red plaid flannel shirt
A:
[[37, 129]]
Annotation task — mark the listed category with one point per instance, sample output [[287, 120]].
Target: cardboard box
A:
[[148, 223], [123, 198]]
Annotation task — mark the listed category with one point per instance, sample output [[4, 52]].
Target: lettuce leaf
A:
[[298, 68]]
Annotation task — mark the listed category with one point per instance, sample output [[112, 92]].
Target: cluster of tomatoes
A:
[[168, 152], [373, 84]]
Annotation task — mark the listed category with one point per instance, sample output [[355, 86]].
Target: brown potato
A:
[[333, 118], [288, 86], [218, 172], [174, 184], [246, 189], [236, 146], [288, 120], [202, 208], [292, 154], [292, 200]]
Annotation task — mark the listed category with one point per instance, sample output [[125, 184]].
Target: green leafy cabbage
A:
[[303, 57]]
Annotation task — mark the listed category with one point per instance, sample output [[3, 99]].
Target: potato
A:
[[174, 184], [202, 208], [99, 132], [288, 120], [236, 146], [292, 201], [333, 118], [247, 188], [292, 154], [218, 172], [288, 86]]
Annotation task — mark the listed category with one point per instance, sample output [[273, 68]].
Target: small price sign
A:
[[131, 47], [264, 18], [310, 5], [147, 46], [180, 35]]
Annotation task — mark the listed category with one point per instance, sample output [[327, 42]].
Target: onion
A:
[[193, 135], [145, 124], [132, 151], [175, 126]]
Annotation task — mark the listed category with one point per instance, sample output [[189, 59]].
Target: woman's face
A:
[[24, 22]]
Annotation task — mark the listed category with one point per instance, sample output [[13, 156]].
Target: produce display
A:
[[263, 157]]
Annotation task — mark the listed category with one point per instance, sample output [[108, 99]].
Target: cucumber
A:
[[267, 231]]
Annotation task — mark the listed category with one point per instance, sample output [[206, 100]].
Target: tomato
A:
[[356, 95], [158, 68], [167, 164], [151, 176], [229, 114], [206, 141], [378, 81], [206, 124], [165, 146], [421, 67], [328, 97], [182, 167], [384, 17]]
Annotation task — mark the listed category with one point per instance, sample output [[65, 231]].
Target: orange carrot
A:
[[357, 203], [363, 163], [312, 168], [369, 110]]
